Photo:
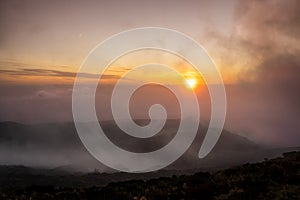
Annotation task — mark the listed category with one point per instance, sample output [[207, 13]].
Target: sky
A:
[[255, 45]]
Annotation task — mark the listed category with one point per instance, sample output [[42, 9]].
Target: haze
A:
[[255, 44]]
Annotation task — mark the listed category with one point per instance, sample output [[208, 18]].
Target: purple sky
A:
[[255, 44]]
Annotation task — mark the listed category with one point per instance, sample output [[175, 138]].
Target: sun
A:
[[191, 83]]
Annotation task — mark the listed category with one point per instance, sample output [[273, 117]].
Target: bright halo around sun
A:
[[191, 83]]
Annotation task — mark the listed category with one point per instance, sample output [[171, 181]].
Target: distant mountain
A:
[[57, 145]]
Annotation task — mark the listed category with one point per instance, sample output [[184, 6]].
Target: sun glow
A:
[[191, 83]]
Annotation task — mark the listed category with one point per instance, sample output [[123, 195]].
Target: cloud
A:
[[264, 103], [262, 56], [268, 109], [261, 29], [269, 26], [54, 73]]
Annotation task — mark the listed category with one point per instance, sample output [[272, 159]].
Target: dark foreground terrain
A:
[[277, 178]]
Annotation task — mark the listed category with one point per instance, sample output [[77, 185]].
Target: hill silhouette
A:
[[57, 145]]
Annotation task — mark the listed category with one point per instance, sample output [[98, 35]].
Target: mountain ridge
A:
[[52, 145]]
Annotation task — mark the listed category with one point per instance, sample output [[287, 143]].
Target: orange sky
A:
[[33, 37], [116, 70]]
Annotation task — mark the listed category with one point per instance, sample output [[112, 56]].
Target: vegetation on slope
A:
[[272, 179]]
